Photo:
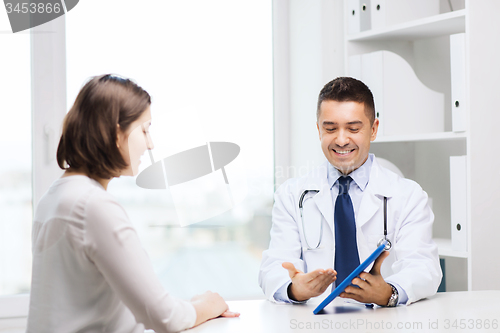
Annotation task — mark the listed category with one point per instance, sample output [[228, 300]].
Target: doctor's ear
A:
[[373, 136]]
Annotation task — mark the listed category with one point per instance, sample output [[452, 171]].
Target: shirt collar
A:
[[361, 175]]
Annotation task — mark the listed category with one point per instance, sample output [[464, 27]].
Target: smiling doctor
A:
[[343, 216]]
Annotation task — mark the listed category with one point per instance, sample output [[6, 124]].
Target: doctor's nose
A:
[[342, 139]]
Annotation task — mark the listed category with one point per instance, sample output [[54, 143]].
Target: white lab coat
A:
[[413, 262]]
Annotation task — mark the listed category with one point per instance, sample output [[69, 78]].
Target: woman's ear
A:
[[118, 133]]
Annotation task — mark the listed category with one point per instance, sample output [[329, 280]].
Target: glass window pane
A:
[[208, 67], [15, 161]]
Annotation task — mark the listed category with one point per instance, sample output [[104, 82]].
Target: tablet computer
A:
[[340, 288]]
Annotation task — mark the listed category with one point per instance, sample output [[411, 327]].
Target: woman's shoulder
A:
[[70, 197], [91, 199], [63, 211]]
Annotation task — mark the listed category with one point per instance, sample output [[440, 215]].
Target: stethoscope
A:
[[301, 201]]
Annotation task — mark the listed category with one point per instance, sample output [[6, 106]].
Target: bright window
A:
[[208, 67], [15, 161]]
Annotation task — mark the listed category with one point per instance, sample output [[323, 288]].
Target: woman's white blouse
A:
[[90, 271]]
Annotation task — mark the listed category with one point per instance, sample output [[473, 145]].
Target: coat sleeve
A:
[[285, 245], [416, 268]]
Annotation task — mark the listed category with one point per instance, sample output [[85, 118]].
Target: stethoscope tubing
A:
[[301, 208], [301, 201]]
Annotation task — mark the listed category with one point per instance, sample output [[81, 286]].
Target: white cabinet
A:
[[466, 71]]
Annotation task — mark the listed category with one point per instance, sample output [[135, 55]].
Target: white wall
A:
[[311, 46]]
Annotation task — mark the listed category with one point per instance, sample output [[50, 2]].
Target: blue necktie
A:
[[346, 247]]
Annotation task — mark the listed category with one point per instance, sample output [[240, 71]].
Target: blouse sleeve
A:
[[113, 245]]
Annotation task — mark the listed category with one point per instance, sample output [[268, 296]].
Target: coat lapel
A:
[[318, 180], [378, 188], [323, 201]]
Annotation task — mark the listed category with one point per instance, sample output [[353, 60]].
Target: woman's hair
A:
[[89, 134]]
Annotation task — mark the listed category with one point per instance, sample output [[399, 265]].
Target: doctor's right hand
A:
[[307, 285]]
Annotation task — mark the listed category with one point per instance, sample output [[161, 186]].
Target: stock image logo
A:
[[188, 165], [197, 181], [31, 13]]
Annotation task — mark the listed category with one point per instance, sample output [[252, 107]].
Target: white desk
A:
[[440, 313], [444, 312]]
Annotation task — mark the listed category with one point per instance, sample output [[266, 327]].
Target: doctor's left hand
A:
[[372, 287]]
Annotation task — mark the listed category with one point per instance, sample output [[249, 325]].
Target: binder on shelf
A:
[[442, 285], [378, 14], [372, 72], [458, 202], [458, 82], [354, 69], [353, 16], [391, 12], [365, 15], [400, 97]]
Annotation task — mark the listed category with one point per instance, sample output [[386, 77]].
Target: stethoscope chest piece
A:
[[387, 246]]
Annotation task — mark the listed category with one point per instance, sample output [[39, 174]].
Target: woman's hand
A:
[[210, 305]]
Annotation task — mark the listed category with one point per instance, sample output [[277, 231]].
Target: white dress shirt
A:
[[90, 271]]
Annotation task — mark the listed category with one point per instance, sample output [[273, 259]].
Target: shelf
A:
[[421, 137], [433, 26], [444, 249]]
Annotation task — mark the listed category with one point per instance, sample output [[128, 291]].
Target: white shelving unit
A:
[[421, 137], [444, 245], [424, 157], [442, 24]]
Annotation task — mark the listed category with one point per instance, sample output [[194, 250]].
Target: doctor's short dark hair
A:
[[347, 89], [90, 131]]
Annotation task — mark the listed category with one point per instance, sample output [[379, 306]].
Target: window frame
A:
[[48, 108]]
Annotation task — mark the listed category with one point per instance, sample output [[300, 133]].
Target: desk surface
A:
[[468, 311], [475, 311]]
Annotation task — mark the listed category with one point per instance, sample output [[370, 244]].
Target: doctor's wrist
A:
[[293, 296], [394, 298]]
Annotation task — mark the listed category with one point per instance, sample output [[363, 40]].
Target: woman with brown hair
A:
[[90, 271]]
